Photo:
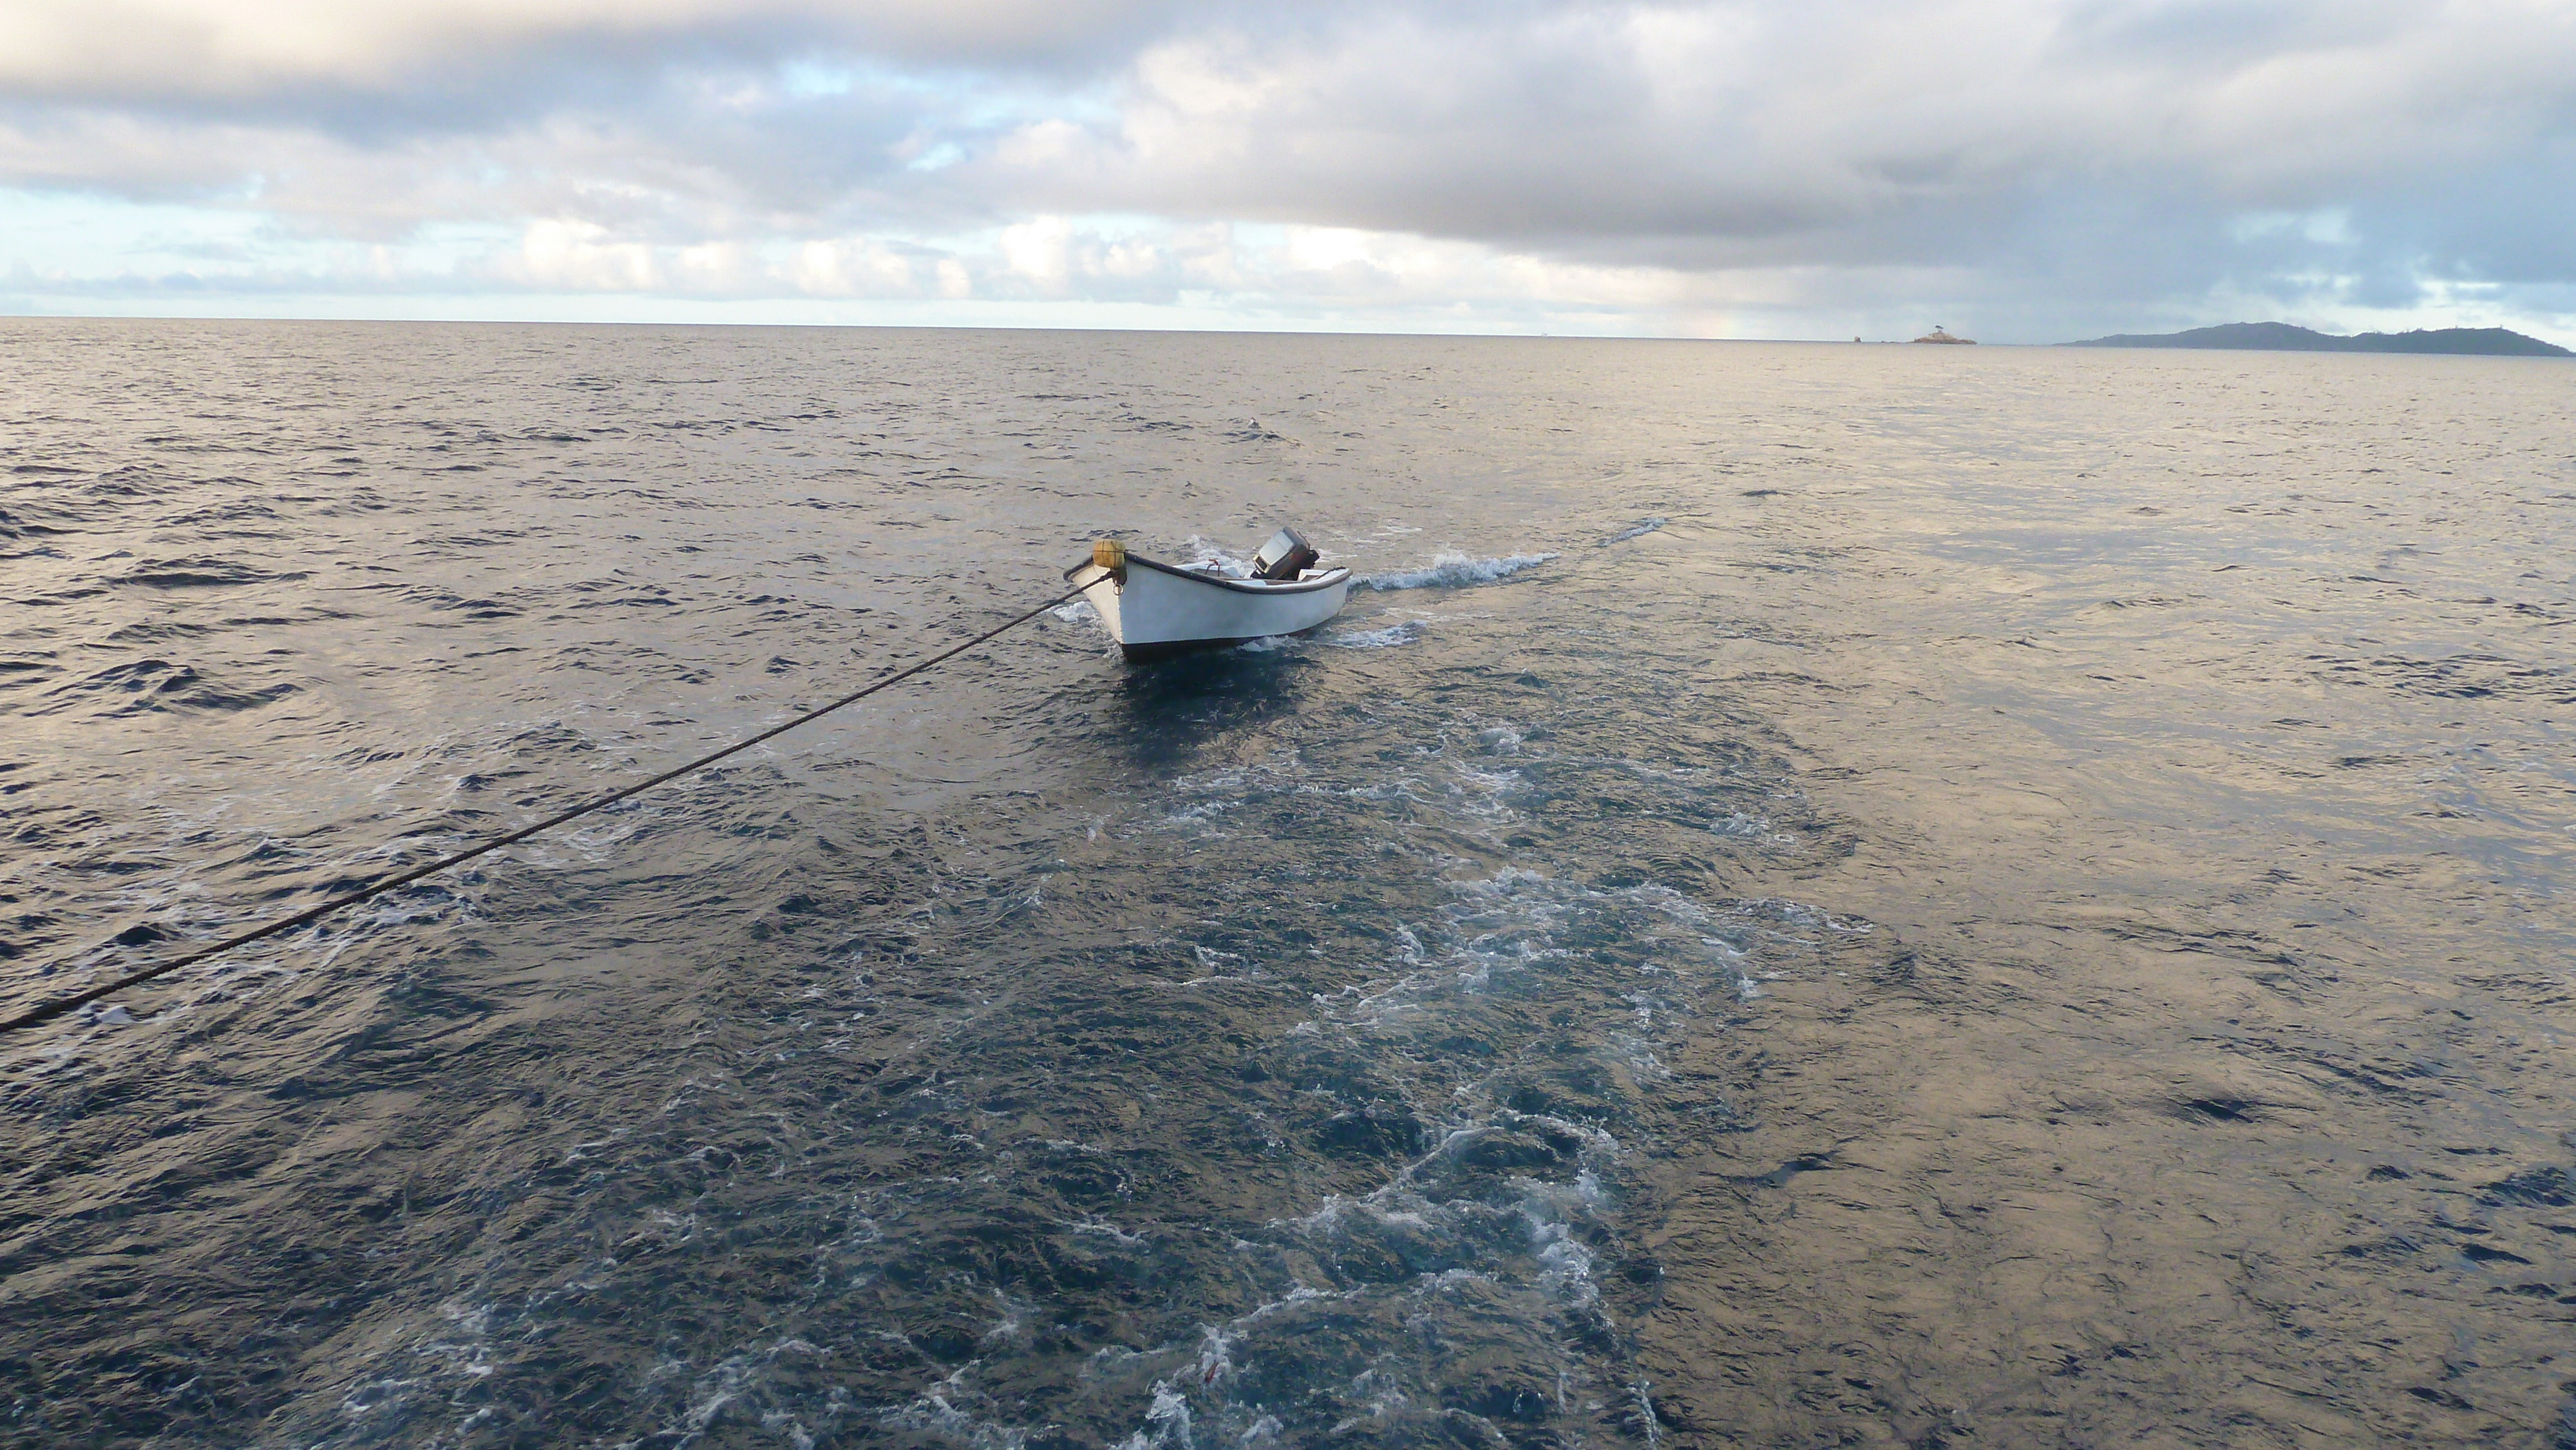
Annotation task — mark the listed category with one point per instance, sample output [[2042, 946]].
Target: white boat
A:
[[1152, 608]]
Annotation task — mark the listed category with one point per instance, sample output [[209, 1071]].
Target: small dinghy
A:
[[1152, 608]]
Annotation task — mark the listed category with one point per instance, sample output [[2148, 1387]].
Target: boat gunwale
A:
[[1330, 578]]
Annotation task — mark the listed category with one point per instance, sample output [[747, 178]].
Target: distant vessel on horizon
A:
[[1942, 334]]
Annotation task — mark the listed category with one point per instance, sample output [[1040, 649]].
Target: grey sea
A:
[[1825, 895]]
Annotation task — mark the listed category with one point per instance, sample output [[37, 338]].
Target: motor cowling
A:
[[1285, 557]]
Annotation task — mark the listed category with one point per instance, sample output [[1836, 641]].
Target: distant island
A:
[[1942, 334], [2282, 337]]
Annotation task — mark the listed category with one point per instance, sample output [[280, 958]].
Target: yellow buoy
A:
[[1109, 554]]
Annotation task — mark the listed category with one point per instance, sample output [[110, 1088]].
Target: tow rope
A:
[[50, 1011]]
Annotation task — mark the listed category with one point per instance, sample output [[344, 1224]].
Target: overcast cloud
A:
[[2025, 170]]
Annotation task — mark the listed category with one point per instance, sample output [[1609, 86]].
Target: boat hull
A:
[[1152, 608]]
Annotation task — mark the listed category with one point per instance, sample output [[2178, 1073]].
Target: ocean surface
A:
[[1827, 895]]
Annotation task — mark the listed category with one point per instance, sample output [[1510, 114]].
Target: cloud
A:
[[258, 55], [2043, 166], [1733, 124]]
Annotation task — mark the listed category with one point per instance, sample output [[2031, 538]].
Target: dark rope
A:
[[53, 1010]]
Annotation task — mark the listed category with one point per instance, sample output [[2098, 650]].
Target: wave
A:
[[1451, 570], [200, 573], [1638, 529]]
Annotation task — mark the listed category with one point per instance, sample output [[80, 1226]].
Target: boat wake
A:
[[1450, 570], [1392, 635]]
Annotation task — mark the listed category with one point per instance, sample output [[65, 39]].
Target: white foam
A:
[[1392, 635], [1167, 1422], [1638, 529], [1102, 1227], [1646, 1413], [1015, 1313], [1216, 1359], [933, 1412], [1450, 570]]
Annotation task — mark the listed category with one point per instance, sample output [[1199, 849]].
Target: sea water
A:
[[1825, 893]]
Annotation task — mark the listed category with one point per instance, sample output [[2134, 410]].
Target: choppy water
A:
[[1830, 895]]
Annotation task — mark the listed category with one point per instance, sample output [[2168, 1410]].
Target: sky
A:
[[2017, 170]]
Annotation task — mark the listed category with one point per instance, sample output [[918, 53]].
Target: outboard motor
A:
[[1285, 557]]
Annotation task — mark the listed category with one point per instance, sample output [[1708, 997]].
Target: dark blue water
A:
[[1831, 894]]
